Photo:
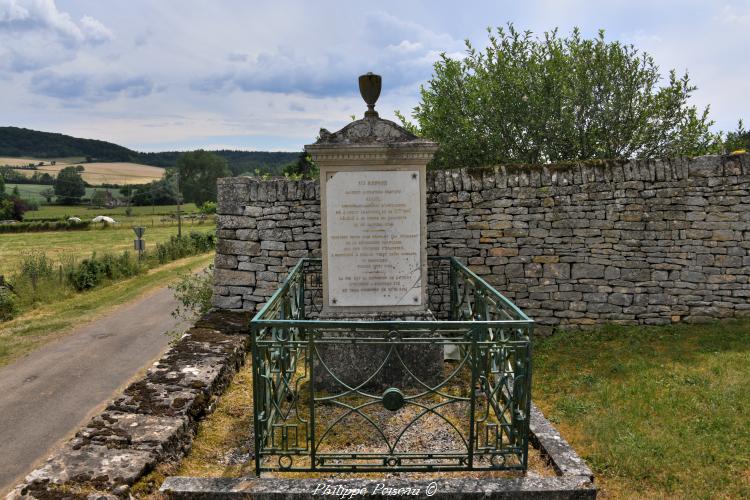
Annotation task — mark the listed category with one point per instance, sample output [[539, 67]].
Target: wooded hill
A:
[[23, 142]]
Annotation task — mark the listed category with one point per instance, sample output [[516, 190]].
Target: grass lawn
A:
[[115, 239], [50, 321], [150, 216], [33, 192], [657, 412]]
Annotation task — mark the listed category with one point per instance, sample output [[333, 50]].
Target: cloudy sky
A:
[[180, 74]]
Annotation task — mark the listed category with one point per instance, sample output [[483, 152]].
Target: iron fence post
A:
[[256, 394], [310, 358]]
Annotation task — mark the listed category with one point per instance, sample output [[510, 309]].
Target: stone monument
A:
[[373, 212], [374, 243]]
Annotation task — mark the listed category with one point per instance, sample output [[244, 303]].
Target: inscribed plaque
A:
[[373, 238]]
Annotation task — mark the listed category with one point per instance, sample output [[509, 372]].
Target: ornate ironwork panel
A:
[[471, 414]]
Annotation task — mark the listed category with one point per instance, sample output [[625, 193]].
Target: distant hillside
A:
[[16, 141], [24, 142], [240, 162]]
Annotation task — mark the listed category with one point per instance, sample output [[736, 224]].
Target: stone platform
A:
[[574, 480]]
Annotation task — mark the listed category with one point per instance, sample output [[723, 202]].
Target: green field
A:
[[79, 244], [658, 412], [148, 216], [53, 320], [32, 192]]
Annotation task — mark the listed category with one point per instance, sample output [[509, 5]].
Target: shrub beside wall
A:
[[573, 244], [38, 226]]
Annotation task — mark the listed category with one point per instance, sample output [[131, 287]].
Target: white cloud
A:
[[78, 89], [731, 15], [403, 52], [177, 73], [94, 31], [34, 34]]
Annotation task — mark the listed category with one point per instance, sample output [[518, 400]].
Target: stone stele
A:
[[373, 212]]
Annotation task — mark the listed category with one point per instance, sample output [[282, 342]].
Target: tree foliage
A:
[[738, 140], [69, 185], [15, 141], [198, 171], [99, 198], [161, 192], [303, 168], [536, 100], [48, 194]]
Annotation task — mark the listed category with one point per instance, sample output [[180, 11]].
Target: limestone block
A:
[[238, 247], [234, 277], [587, 271]]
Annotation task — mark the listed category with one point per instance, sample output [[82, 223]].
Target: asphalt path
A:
[[48, 394]]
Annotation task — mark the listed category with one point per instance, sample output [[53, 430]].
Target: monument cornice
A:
[[414, 153]]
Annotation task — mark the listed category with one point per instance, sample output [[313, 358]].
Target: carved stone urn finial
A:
[[369, 88]]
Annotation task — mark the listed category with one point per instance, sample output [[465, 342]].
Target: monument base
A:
[[405, 366]]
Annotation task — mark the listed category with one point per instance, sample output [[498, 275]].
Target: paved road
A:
[[46, 395]]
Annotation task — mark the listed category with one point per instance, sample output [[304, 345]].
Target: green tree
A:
[[48, 194], [126, 190], [69, 186], [208, 208], [547, 99], [98, 198], [738, 140], [2, 187], [303, 168], [198, 171], [161, 192]]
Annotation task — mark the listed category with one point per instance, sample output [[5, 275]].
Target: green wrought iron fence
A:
[[471, 413]]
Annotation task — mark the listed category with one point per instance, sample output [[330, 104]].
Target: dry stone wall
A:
[[572, 244]]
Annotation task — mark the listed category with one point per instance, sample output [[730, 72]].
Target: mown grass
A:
[[657, 412], [33, 192], [80, 244], [53, 320], [85, 211]]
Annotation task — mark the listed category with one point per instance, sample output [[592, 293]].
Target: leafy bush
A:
[[87, 275], [36, 265], [177, 248], [8, 306], [208, 208], [193, 292], [91, 272], [44, 225]]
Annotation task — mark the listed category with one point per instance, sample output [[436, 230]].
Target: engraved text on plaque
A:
[[373, 243]]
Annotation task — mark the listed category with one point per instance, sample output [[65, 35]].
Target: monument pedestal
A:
[[404, 366], [374, 250]]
